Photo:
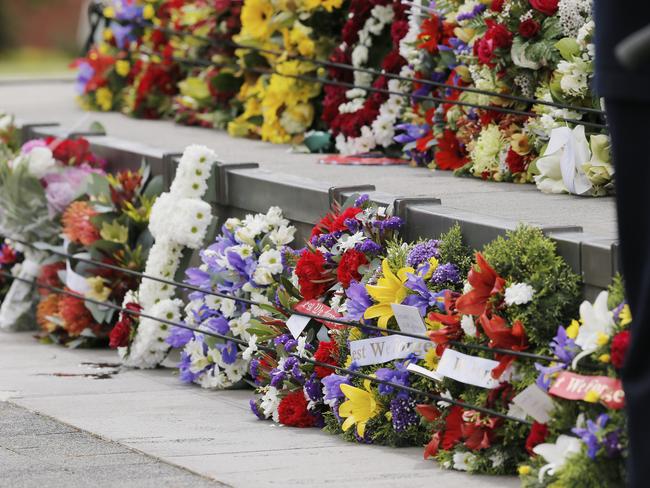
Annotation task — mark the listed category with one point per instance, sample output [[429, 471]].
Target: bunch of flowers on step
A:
[[359, 118], [9, 143], [207, 96], [10, 259], [247, 261], [179, 219], [36, 185], [415, 277], [281, 106], [107, 225], [105, 71], [584, 440], [515, 293]]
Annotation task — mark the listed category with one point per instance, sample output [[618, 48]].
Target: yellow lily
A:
[[360, 407], [389, 289]]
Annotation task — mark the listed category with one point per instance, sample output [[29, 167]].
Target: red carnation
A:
[[348, 269], [326, 353], [293, 411], [516, 162], [7, 255], [119, 336], [449, 155], [312, 277], [538, 434], [620, 343], [529, 28], [547, 7]]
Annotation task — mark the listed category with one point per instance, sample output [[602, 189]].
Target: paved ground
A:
[[37, 451], [42, 101], [210, 433]]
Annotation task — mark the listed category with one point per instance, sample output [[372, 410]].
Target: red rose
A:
[[538, 434], [348, 269], [498, 34], [620, 343], [529, 28], [119, 336], [293, 411], [449, 155], [326, 353], [516, 162], [484, 50], [7, 255], [547, 7], [311, 273], [497, 5]]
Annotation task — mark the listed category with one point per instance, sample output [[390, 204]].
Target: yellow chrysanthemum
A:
[[524, 470], [388, 290], [109, 12], [360, 407], [256, 18], [328, 5], [604, 358], [592, 396], [625, 316], [122, 67], [602, 339], [431, 359], [104, 98], [148, 12]]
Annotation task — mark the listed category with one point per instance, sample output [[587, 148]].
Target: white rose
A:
[[40, 161]]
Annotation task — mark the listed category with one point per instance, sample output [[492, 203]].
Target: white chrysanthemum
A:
[[239, 325], [519, 294], [245, 235], [236, 371], [270, 403], [468, 326], [262, 276], [213, 379], [251, 349], [463, 461], [272, 260], [232, 223]]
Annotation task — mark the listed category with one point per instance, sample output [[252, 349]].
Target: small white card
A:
[[414, 368], [296, 324], [535, 402], [377, 350], [471, 370], [408, 319]]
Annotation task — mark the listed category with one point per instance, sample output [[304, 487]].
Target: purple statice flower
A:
[[281, 340], [326, 240], [277, 377], [421, 253], [256, 410], [85, 73], [358, 301], [478, 9], [289, 363], [228, 352], [332, 388], [353, 225], [403, 413], [423, 298], [297, 374], [546, 374], [368, 247], [593, 435], [390, 223], [199, 278], [412, 132], [290, 345], [564, 347], [178, 337], [254, 368], [446, 273], [313, 388], [361, 200]]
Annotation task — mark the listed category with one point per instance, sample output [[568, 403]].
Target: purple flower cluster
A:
[[368, 247], [403, 413], [313, 389], [478, 9], [361, 200], [358, 301], [446, 273], [564, 347], [398, 376], [421, 253], [388, 224], [594, 435], [332, 393]]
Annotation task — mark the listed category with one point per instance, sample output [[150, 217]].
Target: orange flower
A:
[[77, 225], [75, 315], [47, 307]]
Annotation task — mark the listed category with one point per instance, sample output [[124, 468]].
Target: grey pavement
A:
[[48, 101], [86, 430], [37, 451]]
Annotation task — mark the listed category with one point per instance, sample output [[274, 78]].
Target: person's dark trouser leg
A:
[[629, 125]]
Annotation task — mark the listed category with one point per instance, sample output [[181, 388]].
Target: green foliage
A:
[[581, 472], [616, 292], [525, 255], [396, 252], [453, 250]]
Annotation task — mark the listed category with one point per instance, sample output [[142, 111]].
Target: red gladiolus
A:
[[547, 7], [503, 337], [620, 344], [449, 155], [326, 353], [453, 433], [478, 430], [538, 434], [348, 269], [485, 283], [293, 411], [529, 28]]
